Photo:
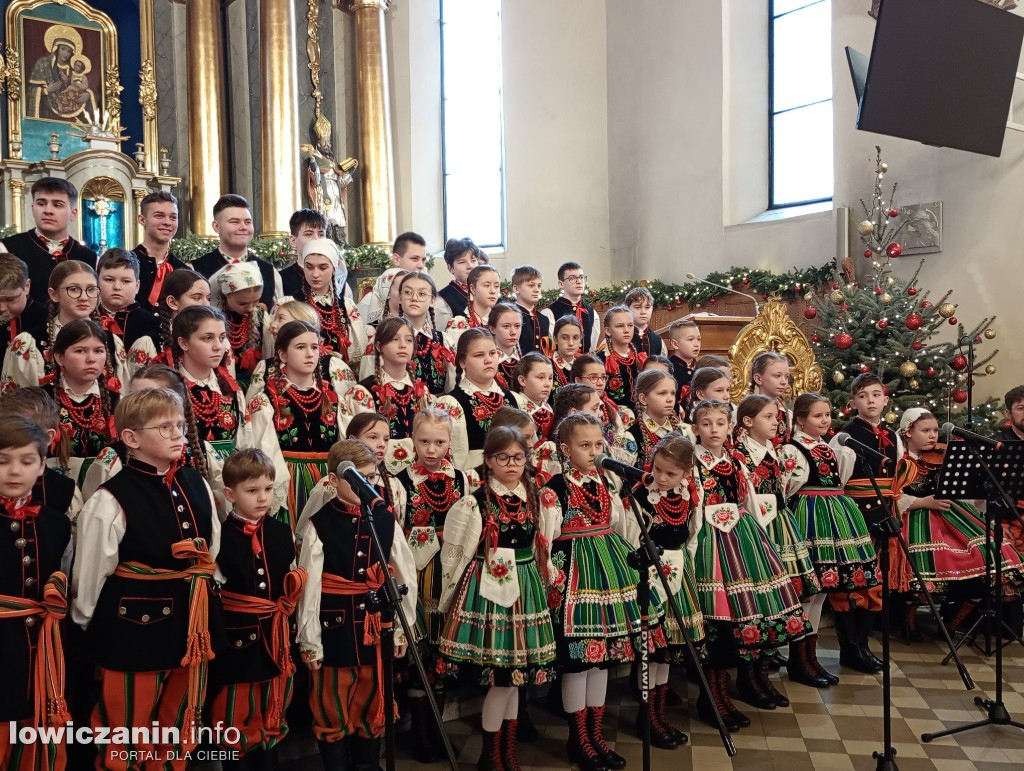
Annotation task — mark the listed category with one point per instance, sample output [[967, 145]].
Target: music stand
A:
[[990, 473]]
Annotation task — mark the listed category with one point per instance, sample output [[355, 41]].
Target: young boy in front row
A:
[[527, 285], [252, 678], [34, 549], [338, 634], [572, 282], [144, 570], [640, 301]]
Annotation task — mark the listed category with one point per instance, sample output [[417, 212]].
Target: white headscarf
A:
[[234, 277], [330, 250], [911, 416]]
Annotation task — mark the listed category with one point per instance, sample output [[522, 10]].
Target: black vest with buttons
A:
[[457, 300], [247, 658], [349, 553], [862, 431], [562, 307], [30, 552], [141, 625]]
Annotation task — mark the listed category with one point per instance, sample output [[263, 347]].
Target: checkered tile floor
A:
[[835, 728]]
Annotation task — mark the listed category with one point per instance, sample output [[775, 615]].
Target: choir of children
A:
[[211, 515]]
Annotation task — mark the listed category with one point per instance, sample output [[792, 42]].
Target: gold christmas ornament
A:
[[838, 377], [809, 297], [946, 310], [866, 227], [990, 334], [886, 299], [908, 369], [913, 384], [961, 377], [883, 167], [837, 297], [890, 281], [890, 417], [990, 369]]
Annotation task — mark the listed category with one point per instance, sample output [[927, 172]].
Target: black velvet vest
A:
[[562, 307]]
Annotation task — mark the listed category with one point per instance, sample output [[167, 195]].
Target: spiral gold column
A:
[[207, 143], [373, 101], [279, 111]]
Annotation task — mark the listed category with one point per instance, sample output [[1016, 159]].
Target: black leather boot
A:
[[365, 754], [509, 740], [814, 664], [799, 668], [710, 704], [595, 730], [851, 654], [423, 731], [763, 671], [490, 752], [336, 755], [527, 730], [659, 737], [661, 710], [578, 747], [865, 625], [749, 687]]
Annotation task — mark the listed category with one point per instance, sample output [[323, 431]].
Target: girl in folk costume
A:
[[477, 396], [591, 587], [621, 360], [323, 286], [756, 428], [656, 417], [85, 396], [834, 526], [432, 359], [506, 324], [543, 452], [112, 458], [568, 337], [746, 596], [946, 537], [74, 294], [769, 375], [297, 417], [710, 384], [35, 545], [339, 633], [590, 370], [432, 486], [499, 632], [236, 289], [531, 383], [390, 390], [389, 306], [484, 284], [667, 503], [180, 289]]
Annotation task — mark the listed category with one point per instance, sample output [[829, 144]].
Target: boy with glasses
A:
[[572, 282]]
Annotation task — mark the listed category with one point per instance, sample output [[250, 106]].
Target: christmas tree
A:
[[890, 326]]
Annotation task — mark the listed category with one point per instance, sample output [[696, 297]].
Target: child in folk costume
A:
[[85, 396], [432, 486], [297, 417], [568, 340], [659, 362], [432, 358], [590, 370], [711, 384], [531, 384], [640, 302], [769, 375], [118, 272], [339, 636], [756, 430], [744, 591], [506, 324], [17, 305], [684, 350], [656, 418], [572, 285], [484, 283], [251, 679], [144, 570], [181, 288], [323, 286], [477, 396], [382, 301], [460, 257], [621, 360], [544, 455], [527, 287], [946, 538], [498, 633], [668, 501], [592, 588], [391, 391], [834, 526], [35, 547], [235, 290]]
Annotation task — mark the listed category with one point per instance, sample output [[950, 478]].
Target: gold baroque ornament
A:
[[12, 74], [774, 330], [113, 89], [147, 90]]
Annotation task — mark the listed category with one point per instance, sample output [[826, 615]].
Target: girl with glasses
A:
[[433, 361], [590, 370]]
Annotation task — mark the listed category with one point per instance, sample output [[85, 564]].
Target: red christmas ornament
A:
[[960, 396], [845, 307], [712, 300], [914, 321], [846, 410], [745, 281], [926, 304], [977, 339], [670, 307], [917, 345], [882, 325], [865, 368], [958, 362], [878, 290], [764, 296], [930, 372], [868, 254], [835, 285], [843, 341], [894, 249], [810, 313], [815, 338], [798, 287], [893, 212], [885, 390], [952, 321], [911, 290]]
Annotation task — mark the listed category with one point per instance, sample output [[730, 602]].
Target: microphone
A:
[[757, 305], [970, 436], [624, 470], [845, 440], [367, 493]]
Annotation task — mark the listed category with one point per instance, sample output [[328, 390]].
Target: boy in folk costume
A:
[[254, 672], [34, 548], [17, 307], [572, 282], [143, 577], [339, 636]]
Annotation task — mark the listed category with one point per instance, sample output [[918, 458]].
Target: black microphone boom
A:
[[367, 493], [845, 440], [624, 470], [970, 436]]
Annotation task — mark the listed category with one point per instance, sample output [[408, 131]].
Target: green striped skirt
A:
[[795, 552], [489, 644], [305, 469], [685, 601], [841, 547]]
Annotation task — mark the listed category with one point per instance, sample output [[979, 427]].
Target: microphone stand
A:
[[388, 600], [888, 528], [648, 555]]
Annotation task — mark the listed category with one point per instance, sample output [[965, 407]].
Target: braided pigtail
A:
[[433, 320], [532, 492], [192, 433], [383, 398], [322, 387], [385, 483], [164, 316], [51, 323]]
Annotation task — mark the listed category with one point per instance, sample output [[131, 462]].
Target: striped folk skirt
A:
[[488, 644], [841, 547], [305, 469], [678, 567], [794, 550]]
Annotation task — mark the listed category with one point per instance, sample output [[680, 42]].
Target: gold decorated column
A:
[[207, 143], [279, 110], [374, 105], [17, 201]]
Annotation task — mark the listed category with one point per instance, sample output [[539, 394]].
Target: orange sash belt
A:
[[197, 647], [280, 611], [48, 676]]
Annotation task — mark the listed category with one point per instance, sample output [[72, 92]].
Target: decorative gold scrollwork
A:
[[147, 90]]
